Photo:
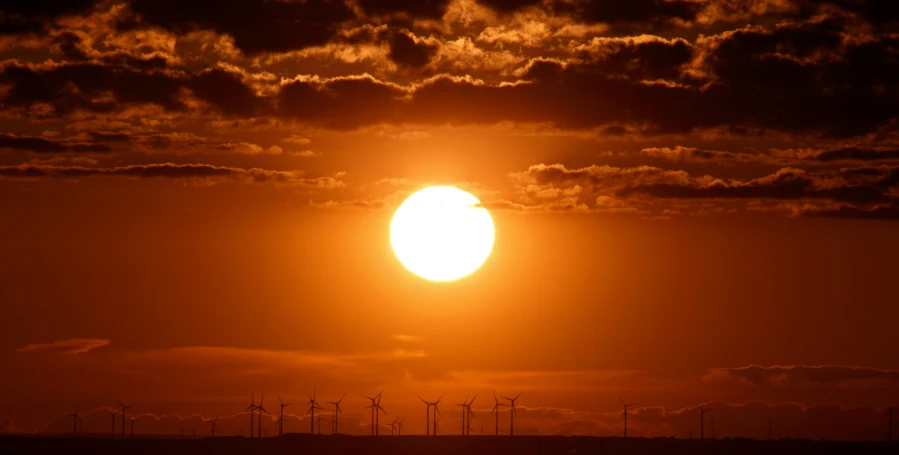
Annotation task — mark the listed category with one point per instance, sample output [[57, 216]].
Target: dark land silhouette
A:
[[430, 445]]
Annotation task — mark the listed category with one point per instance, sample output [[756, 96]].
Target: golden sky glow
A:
[[672, 202]]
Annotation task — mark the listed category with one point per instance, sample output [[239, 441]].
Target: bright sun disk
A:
[[441, 233]]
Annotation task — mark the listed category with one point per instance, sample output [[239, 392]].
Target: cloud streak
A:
[[200, 173], [72, 346]]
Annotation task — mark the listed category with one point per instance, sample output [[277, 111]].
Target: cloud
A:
[[32, 17], [641, 186], [804, 376], [71, 346], [856, 154], [256, 26], [692, 154], [641, 12], [753, 79], [43, 145], [409, 51], [203, 173], [406, 338]]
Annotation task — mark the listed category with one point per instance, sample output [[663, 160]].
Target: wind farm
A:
[[429, 439]]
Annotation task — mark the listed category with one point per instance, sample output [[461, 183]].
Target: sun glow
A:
[[441, 233]]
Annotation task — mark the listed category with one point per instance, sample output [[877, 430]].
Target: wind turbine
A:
[[281, 416], [337, 412], [77, 418], [393, 426], [462, 405], [702, 421], [124, 408], [770, 432], [376, 411], [214, 424], [470, 414], [193, 432], [319, 420], [512, 414], [252, 409], [111, 414], [132, 428], [259, 420], [496, 411], [313, 405], [374, 406], [427, 416], [399, 427], [436, 413], [625, 414]]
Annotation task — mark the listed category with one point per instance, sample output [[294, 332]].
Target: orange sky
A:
[[688, 210]]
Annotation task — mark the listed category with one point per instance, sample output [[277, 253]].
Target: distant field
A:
[[427, 445]]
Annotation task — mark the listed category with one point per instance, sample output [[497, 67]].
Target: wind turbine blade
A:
[[516, 397], [341, 398], [472, 400]]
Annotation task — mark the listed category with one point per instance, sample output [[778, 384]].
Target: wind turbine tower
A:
[[124, 408], [626, 405], [313, 405], [252, 409], [496, 411], [259, 420], [77, 418], [470, 415], [375, 405], [436, 413], [464, 409], [427, 416], [702, 421], [512, 414], [337, 412], [281, 416]]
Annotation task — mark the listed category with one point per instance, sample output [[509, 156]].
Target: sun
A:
[[441, 233]]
